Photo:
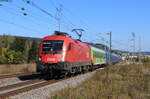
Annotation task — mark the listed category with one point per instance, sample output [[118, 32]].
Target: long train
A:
[[60, 54]]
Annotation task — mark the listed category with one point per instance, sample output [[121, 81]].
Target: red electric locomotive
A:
[[60, 54]]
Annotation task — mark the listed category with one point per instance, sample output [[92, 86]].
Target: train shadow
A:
[[31, 77], [38, 77]]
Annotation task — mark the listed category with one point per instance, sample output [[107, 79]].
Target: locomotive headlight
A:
[[39, 58], [62, 58]]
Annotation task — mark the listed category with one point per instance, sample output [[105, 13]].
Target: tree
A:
[[3, 58], [6, 41], [33, 52], [27, 48], [18, 44], [17, 50]]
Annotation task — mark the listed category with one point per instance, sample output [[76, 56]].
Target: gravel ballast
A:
[[45, 92], [9, 81]]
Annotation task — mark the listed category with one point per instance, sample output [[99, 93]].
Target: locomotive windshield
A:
[[52, 46]]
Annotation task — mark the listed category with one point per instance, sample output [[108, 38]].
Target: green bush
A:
[[145, 60], [18, 58], [11, 57], [3, 58]]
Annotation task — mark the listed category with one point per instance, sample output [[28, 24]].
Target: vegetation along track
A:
[[15, 89], [17, 75]]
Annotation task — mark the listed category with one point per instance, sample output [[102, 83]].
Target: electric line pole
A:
[[110, 46], [59, 11], [133, 34], [140, 48], [133, 53], [140, 44]]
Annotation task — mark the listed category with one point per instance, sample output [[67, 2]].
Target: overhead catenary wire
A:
[[114, 42], [85, 25], [64, 8], [18, 25], [39, 8], [63, 16], [28, 16], [21, 15], [68, 21], [16, 12], [13, 11], [42, 10], [36, 14], [51, 15]]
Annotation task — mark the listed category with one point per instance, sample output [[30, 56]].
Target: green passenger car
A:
[[98, 56]]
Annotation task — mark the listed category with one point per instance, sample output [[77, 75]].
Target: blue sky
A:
[[96, 17]]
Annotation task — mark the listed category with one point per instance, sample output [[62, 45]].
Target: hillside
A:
[[28, 38], [113, 82]]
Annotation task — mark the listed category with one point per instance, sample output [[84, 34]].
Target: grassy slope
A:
[[114, 82]]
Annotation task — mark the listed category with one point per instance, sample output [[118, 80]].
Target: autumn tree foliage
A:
[[17, 50]]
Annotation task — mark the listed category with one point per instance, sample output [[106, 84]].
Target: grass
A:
[[113, 82], [20, 68], [9, 72]]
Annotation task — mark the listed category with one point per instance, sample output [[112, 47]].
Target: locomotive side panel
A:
[[78, 54]]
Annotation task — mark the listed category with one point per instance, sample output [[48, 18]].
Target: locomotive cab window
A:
[[52, 46]]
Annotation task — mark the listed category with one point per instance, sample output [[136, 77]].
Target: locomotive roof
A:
[[58, 33]]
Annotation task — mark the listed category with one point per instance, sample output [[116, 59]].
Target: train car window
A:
[[69, 47]]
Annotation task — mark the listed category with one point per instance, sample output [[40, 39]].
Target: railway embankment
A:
[[13, 69], [45, 91], [113, 82], [10, 79]]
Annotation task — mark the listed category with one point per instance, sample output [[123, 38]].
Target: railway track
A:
[[17, 75], [15, 89]]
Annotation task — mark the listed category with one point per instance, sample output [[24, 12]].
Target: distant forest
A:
[[18, 50]]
